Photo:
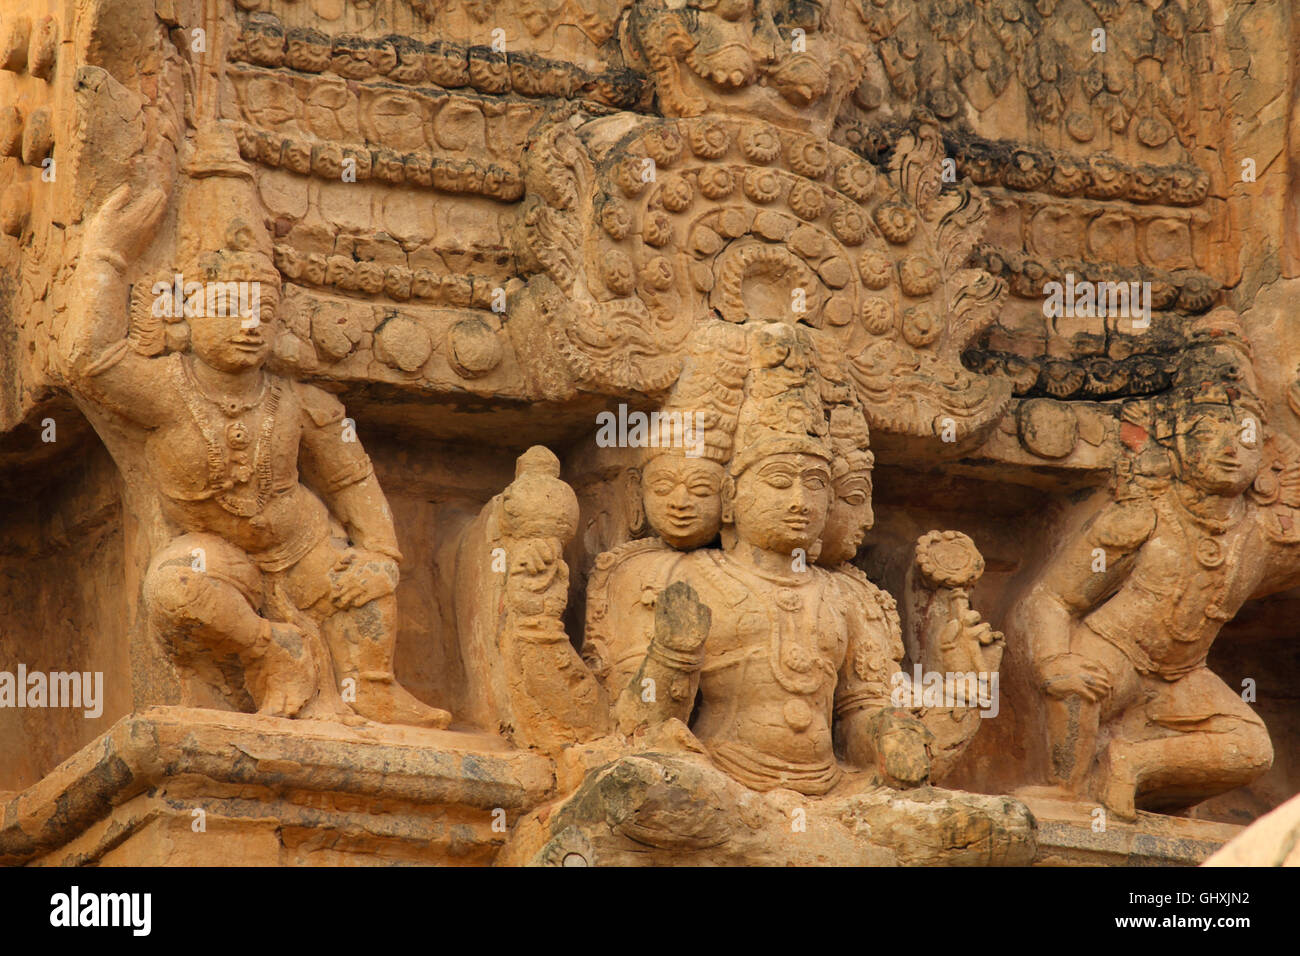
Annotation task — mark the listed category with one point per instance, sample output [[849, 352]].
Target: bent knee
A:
[[1253, 746], [173, 593]]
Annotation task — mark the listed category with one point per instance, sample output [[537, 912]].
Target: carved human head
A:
[[1217, 447], [850, 516], [682, 496], [1212, 421], [232, 319], [778, 493]]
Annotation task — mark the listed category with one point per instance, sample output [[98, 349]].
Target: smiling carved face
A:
[[233, 343], [781, 502], [1219, 449], [682, 498]]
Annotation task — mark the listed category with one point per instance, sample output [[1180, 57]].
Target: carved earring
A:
[[728, 500], [637, 524]]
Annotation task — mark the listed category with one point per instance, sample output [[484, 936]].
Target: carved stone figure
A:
[[282, 558], [1121, 621], [848, 271]]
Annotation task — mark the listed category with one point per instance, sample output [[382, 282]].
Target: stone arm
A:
[[1079, 577], [873, 728], [94, 354], [665, 685], [1281, 521], [334, 464]]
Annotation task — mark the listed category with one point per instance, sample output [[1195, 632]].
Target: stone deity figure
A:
[[788, 658], [282, 556], [1121, 621]]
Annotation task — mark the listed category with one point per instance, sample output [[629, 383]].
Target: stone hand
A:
[[360, 577], [536, 555], [125, 222], [964, 634], [902, 749], [681, 620], [1072, 675]]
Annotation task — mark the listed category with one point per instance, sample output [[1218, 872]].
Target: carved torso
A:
[[1188, 580], [233, 471]]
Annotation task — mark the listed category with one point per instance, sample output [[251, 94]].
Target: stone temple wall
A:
[[393, 509]]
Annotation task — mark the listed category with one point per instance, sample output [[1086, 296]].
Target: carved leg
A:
[[192, 599], [362, 642], [1072, 724], [1197, 739]]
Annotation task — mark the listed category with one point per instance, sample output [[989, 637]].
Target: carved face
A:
[[224, 343], [682, 498], [781, 501], [1218, 449], [849, 519]]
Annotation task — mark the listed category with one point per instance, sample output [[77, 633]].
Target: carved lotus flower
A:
[[808, 156], [631, 175], [920, 327], [762, 185], [856, 179], [709, 140], [807, 200], [1068, 177], [876, 269], [760, 144], [616, 220], [896, 222], [948, 559], [877, 315], [716, 182], [657, 274], [918, 275], [1189, 186], [1149, 183], [676, 193], [1109, 177], [664, 145], [620, 276], [1197, 293], [849, 224], [1028, 170], [658, 230]]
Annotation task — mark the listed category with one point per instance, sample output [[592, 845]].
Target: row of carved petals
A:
[[1036, 169], [1186, 291], [265, 42], [373, 278], [326, 160]]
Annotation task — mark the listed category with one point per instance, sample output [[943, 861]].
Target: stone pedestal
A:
[[1069, 834], [182, 787]]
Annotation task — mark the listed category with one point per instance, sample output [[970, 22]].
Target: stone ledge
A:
[[1066, 837], [155, 767]]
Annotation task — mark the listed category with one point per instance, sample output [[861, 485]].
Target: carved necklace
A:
[[1212, 555], [222, 476], [794, 667], [1208, 548]]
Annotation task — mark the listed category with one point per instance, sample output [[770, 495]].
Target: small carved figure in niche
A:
[[1120, 622], [282, 557]]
